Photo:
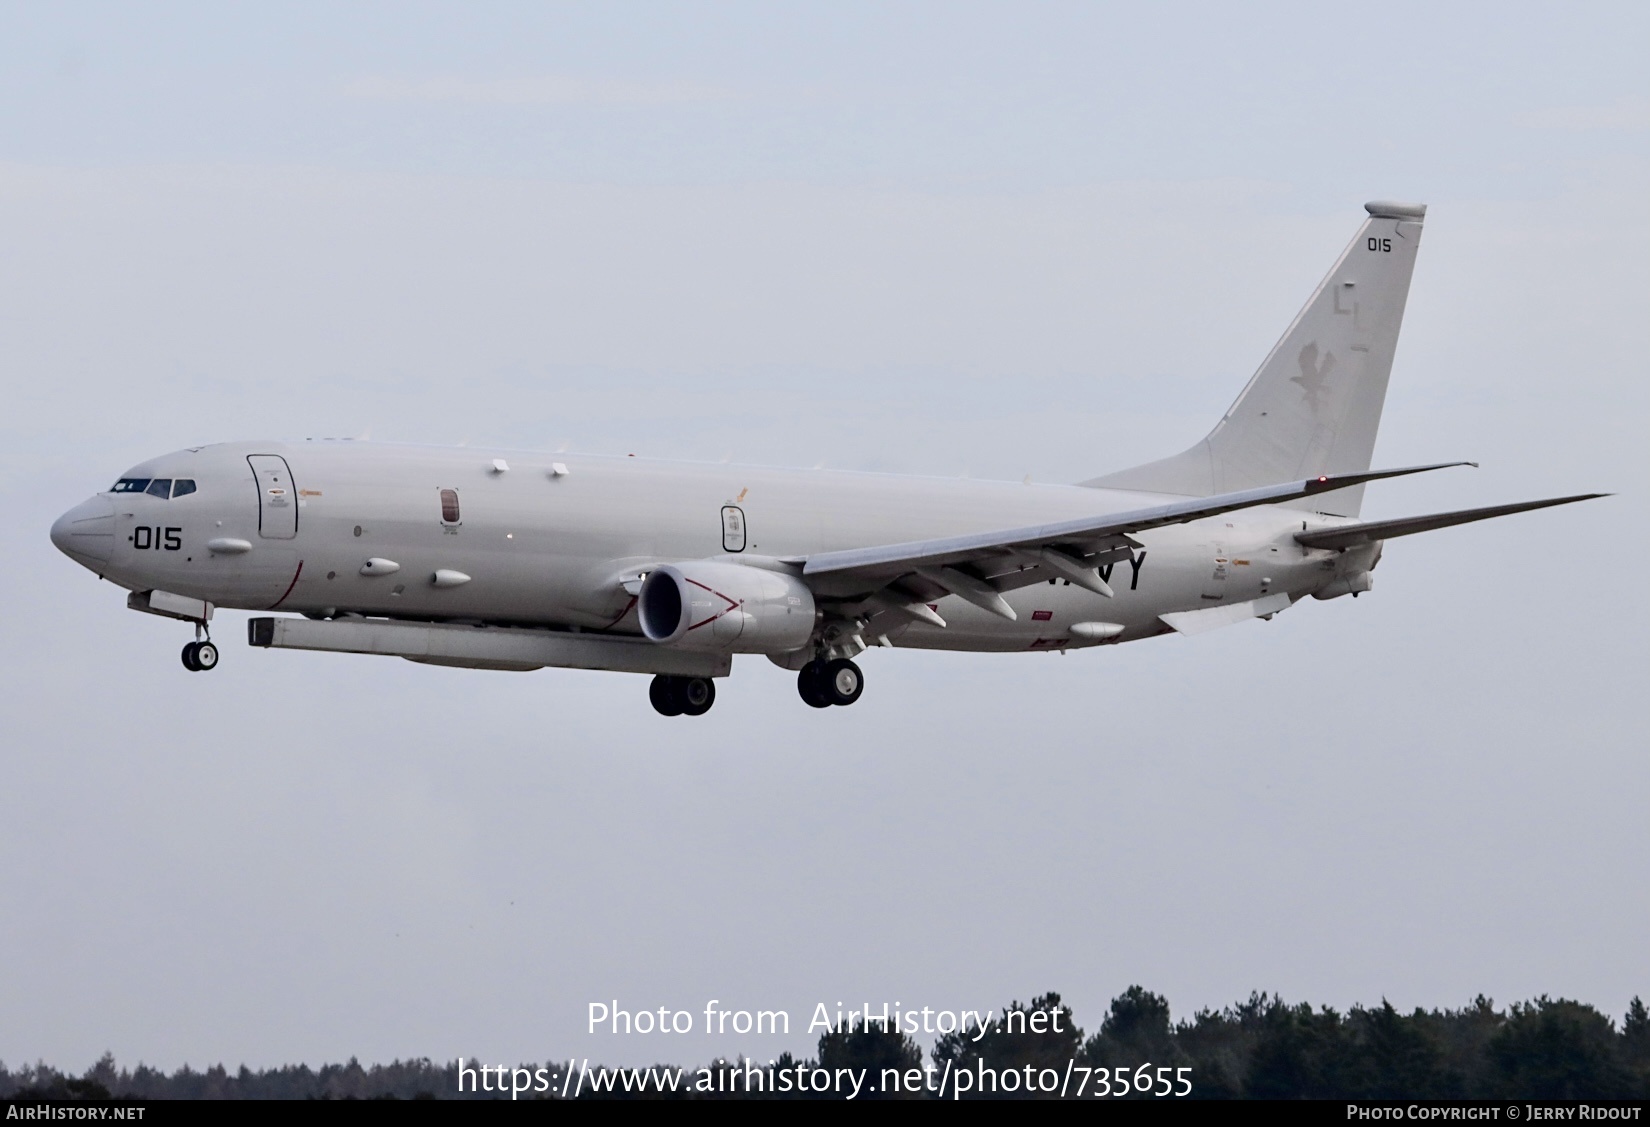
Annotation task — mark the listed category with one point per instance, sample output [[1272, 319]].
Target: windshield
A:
[[162, 487]]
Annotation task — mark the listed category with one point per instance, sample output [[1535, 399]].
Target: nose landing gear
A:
[[822, 684], [681, 696]]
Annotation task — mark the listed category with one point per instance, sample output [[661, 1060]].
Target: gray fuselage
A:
[[550, 540]]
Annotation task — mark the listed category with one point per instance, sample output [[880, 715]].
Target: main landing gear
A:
[[824, 683], [201, 655], [682, 696]]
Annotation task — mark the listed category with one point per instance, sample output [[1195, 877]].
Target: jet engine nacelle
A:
[[725, 607]]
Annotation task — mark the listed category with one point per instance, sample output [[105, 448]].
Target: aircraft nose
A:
[[86, 533]]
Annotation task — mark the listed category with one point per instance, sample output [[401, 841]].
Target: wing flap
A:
[[1352, 535], [887, 562]]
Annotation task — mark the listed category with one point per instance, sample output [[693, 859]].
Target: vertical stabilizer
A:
[[1315, 404]]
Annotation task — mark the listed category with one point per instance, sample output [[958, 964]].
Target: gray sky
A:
[[927, 238]]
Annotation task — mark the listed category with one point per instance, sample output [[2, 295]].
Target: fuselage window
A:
[[161, 487], [130, 485], [449, 506], [182, 486]]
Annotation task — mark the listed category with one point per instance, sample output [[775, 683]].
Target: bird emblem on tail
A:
[[1314, 374]]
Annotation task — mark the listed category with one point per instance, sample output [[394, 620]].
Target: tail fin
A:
[[1315, 404]]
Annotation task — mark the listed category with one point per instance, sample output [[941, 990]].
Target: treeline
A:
[[1263, 1048]]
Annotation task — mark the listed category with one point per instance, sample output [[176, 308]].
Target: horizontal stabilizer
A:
[[1351, 535]]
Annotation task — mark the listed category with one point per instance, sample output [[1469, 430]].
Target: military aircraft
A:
[[517, 561]]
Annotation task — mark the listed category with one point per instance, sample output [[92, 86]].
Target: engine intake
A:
[[725, 608]]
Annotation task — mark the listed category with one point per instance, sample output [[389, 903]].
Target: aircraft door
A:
[[277, 497], [1214, 586], [733, 528]]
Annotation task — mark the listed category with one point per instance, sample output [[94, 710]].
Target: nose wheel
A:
[[822, 684], [681, 696]]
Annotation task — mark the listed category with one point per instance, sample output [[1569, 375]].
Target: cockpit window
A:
[[130, 485], [160, 487], [182, 486]]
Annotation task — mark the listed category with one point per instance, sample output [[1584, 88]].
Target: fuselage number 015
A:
[[1382, 245], [145, 538]]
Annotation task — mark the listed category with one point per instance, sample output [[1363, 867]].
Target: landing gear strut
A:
[[824, 683], [681, 696], [201, 655]]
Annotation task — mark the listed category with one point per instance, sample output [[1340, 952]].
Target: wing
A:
[[1351, 535], [978, 567]]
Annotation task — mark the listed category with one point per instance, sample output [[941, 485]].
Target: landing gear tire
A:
[[663, 694], [842, 682], [810, 685], [200, 657], [697, 694], [682, 696]]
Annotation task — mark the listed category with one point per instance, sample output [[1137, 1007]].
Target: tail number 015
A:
[[144, 538]]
